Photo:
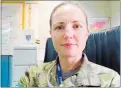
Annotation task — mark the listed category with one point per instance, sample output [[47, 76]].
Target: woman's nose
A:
[[69, 32]]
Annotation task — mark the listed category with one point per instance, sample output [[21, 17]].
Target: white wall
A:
[[102, 9], [11, 24], [115, 13], [95, 8]]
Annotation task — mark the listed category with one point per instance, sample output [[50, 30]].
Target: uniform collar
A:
[[52, 74], [84, 77]]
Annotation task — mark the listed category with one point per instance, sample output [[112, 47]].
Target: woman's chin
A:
[[69, 54]]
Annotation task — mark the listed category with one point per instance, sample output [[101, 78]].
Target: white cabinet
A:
[[18, 72], [23, 57]]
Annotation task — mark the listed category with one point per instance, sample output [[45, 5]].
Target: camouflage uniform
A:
[[90, 74]]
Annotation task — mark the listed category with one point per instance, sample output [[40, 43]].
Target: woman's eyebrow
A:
[[58, 23], [78, 22], [64, 23]]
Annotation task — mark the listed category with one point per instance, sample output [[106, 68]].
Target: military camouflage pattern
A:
[[89, 74]]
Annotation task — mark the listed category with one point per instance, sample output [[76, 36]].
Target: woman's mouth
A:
[[68, 44]]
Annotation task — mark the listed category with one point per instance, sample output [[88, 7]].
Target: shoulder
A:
[[108, 76], [99, 69], [40, 67], [34, 73]]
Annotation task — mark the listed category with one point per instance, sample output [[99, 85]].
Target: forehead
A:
[[68, 13]]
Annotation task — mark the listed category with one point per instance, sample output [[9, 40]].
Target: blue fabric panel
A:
[[10, 71], [6, 71], [105, 52], [90, 48], [98, 48], [117, 36], [50, 51]]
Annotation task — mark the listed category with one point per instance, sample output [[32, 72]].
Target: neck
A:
[[70, 63]]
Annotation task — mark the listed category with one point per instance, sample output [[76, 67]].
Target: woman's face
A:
[[69, 31]]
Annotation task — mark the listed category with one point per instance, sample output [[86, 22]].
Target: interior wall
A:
[[115, 13], [95, 8]]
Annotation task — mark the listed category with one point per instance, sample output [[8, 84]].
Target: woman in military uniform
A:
[[69, 32]]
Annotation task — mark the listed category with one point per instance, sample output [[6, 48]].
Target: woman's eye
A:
[[59, 27], [77, 26]]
